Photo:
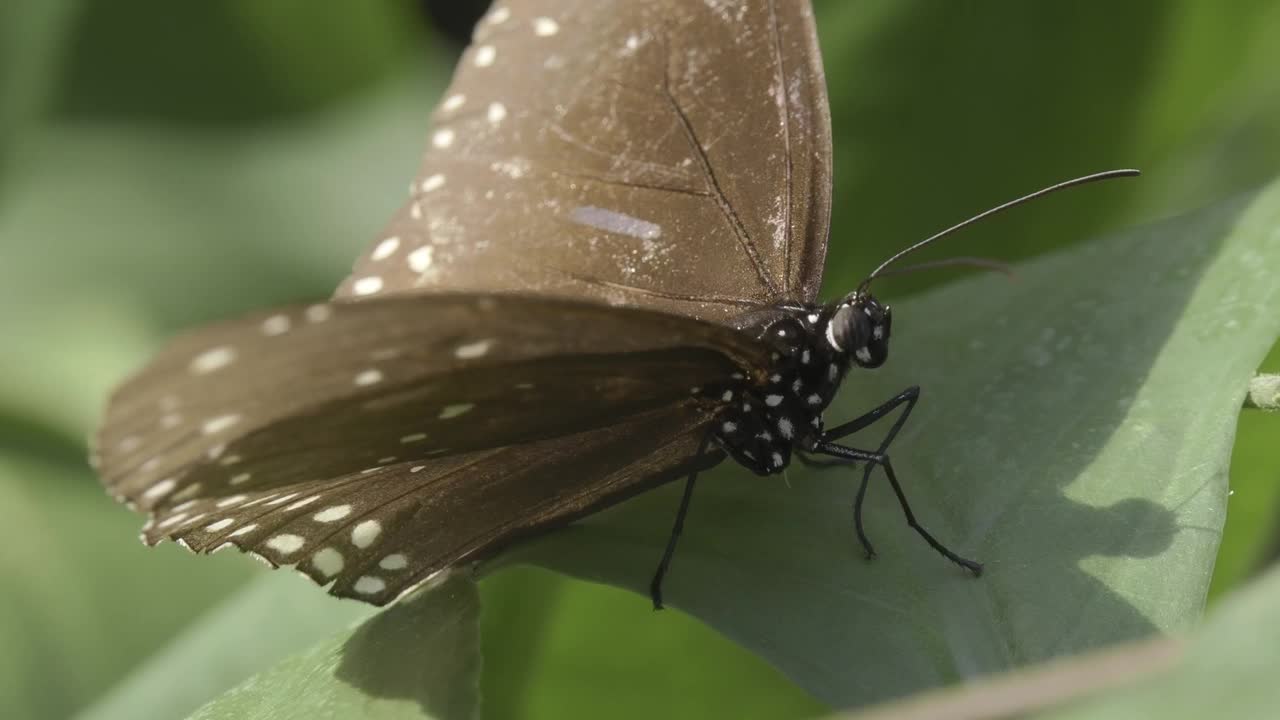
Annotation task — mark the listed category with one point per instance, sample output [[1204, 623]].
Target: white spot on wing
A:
[[474, 350], [443, 138], [275, 325], [485, 55], [372, 376], [213, 359], [497, 111], [420, 259], [328, 561], [319, 313], [545, 27], [370, 585], [363, 535], [160, 489], [286, 544], [367, 285], [220, 423], [283, 499], [453, 411], [332, 514], [302, 503], [615, 222], [231, 501], [453, 102], [386, 248], [432, 182], [395, 561]]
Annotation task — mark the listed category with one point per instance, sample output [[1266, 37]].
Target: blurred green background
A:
[[163, 164]]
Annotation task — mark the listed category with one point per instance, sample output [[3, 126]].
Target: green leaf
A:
[[1229, 668], [941, 111], [271, 618], [1074, 434], [558, 648], [418, 659], [82, 601]]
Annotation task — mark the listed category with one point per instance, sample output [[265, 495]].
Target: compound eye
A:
[[849, 329]]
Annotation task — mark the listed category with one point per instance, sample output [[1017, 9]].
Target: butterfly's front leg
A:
[[826, 446]]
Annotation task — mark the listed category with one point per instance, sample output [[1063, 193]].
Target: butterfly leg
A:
[[655, 586], [909, 396], [881, 457], [818, 463]]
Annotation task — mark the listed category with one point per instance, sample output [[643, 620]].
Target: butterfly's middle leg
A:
[[826, 446]]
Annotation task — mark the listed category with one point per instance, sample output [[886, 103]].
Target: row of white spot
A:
[[217, 358], [419, 260], [486, 54], [328, 561]]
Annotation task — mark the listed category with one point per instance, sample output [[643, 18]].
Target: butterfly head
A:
[[859, 329]]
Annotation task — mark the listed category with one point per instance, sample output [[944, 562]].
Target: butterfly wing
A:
[[372, 536], [423, 430], [670, 154]]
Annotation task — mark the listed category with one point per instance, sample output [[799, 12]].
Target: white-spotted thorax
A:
[[814, 346]]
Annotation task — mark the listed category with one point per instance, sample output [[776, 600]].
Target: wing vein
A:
[[711, 299], [708, 172], [780, 77]]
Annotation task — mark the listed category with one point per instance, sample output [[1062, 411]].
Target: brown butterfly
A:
[[605, 279]]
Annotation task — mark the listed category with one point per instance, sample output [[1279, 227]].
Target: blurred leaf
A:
[[1209, 125], [1074, 435], [82, 602], [586, 650], [1224, 669], [32, 36], [234, 62], [1019, 693], [941, 111], [271, 618], [115, 234], [1229, 668], [418, 659]]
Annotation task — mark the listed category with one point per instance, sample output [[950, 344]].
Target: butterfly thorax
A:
[[813, 347]]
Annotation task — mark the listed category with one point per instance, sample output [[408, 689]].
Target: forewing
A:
[[669, 154], [313, 393]]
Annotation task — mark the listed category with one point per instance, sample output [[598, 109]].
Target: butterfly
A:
[[605, 279]]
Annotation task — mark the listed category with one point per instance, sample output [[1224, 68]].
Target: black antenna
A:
[[1109, 174], [973, 262]]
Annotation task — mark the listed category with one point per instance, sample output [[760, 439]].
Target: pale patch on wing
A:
[[615, 222]]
